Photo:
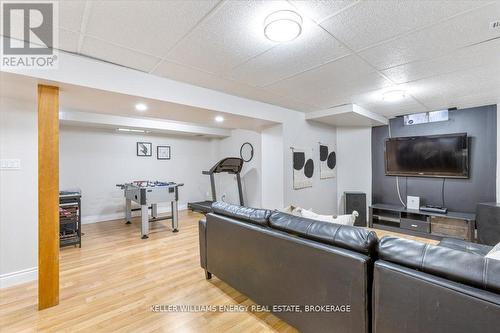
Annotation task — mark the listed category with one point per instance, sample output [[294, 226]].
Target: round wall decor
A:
[[246, 152]]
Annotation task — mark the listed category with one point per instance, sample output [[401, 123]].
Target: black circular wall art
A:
[[299, 159], [299, 163], [309, 168], [330, 158], [323, 153], [246, 152]]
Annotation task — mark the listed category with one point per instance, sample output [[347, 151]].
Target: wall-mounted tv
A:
[[428, 156]]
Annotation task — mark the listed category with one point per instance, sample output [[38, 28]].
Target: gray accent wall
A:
[[480, 124]]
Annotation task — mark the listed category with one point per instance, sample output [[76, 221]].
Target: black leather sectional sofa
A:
[[343, 279]]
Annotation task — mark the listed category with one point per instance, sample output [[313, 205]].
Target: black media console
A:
[[422, 224]]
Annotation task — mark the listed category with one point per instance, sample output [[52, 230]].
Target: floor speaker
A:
[[488, 223], [356, 201]]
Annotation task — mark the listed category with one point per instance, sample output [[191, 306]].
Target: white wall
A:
[[18, 193], [322, 196], [354, 162], [96, 160], [272, 167], [251, 174]]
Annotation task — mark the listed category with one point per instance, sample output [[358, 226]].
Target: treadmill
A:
[[231, 165]]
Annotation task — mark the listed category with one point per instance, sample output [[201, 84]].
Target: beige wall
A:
[[354, 162], [95, 160], [18, 192]]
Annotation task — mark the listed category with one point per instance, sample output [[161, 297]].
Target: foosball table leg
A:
[[144, 221], [128, 211], [175, 216], [154, 211]]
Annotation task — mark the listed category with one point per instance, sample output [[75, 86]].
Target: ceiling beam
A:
[[100, 120], [92, 73]]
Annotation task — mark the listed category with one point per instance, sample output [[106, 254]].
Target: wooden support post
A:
[[48, 196]]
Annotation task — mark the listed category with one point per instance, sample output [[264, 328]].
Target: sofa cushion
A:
[[347, 237], [455, 265], [494, 253], [341, 219], [461, 245], [252, 215]]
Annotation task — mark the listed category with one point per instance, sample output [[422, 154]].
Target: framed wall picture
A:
[[163, 152], [144, 149]]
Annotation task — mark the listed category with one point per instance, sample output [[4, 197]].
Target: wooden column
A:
[[48, 196]]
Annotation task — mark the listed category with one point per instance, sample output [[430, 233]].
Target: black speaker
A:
[[356, 201], [488, 223]]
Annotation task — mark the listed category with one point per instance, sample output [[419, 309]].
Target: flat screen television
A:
[[428, 156]]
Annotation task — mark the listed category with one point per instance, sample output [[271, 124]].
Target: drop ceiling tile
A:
[[118, 55], [196, 77], [211, 81], [489, 97], [71, 14], [440, 39], [151, 27], [230, 36], [68, 40], [307, 84], [371, 22], [373, 101], [487, 53], [339, 93], [312, 48], [447, 90], [318, 10]]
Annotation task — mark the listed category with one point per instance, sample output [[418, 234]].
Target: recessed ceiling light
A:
[[283, 26], [219, 119], [393, 95], [141, 107]]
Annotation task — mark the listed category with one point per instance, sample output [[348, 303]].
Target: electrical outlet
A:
[[495, 25], [10, 164]]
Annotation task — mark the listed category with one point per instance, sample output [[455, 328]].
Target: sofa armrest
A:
[[202, 232], [464, 246]]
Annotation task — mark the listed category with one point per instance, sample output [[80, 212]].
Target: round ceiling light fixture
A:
[[393, 95], [141, 107], [219, 119], [283, 26]]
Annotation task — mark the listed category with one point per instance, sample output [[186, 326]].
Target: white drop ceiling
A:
[[442, 52]]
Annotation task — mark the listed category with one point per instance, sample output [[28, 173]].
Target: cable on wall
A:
[[442, 193], [397, 177]]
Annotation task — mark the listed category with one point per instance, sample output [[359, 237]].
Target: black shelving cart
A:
[[70, 218]]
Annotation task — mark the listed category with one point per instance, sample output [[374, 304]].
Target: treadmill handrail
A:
[[221, 162]]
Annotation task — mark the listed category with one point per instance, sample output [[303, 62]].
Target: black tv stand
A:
[[422, 223]]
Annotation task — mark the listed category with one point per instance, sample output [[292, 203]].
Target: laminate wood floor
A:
[[111, 283]]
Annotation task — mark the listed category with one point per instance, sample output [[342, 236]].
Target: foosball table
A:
[[148, 194]]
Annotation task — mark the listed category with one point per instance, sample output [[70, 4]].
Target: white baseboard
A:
[[121, 215], [22, 276]]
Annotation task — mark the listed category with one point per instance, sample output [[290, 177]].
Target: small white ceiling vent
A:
[[495, 25]]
